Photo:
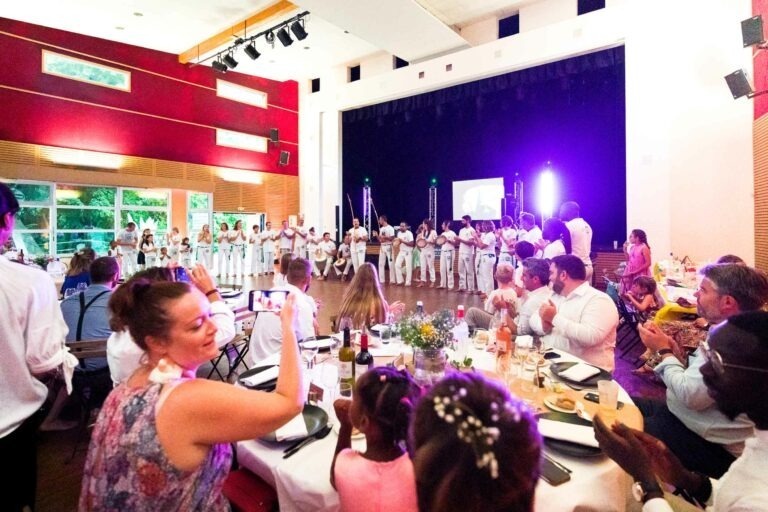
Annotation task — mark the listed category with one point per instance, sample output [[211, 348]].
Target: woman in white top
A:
[[427, 254], [204, 242], [150, 251], [256, 256], [507, 238], [446, 256], [281, 277], [556, 239], [225, 251], [173, 242], [486, 244], [237, 238]]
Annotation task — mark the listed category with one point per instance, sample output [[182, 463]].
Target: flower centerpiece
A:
[[429, 335]]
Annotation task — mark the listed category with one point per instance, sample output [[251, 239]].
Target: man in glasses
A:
[[689, 422], [735, 373]]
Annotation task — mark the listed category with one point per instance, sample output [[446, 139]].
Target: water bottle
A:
[[461, 334]]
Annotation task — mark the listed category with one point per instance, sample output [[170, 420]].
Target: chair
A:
[[236, 349], [247, 492], [91, 388], [627, 336]]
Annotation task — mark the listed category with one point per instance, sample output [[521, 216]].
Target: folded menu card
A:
[[294, 429], [261, 377], [580, 434], [580, 372]]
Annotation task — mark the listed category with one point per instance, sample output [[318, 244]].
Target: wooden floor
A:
[[59, 482]]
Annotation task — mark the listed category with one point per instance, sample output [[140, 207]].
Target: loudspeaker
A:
[[738, 84], [752, 31], [284, 157], [274, 135]]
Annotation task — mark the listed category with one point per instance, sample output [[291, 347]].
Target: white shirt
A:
[[344, 250], [301, 241], [223, 239], [529, 305], [387, 231], [467, 234], [508, 234], [533, 235], [124, 355], [286, 242], [490, 240], [128, 237], [236, 237], [508, 294], [255, 239], [327, 247], [358, 232], [450, 237], [430, 238], [405, 236], [267, 240], [32, 332], [584, 325], [687, 398], [555, 248], [743, 488], [581, 239]]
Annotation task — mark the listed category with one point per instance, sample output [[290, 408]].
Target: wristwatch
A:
[[644, 491], [664, 351]]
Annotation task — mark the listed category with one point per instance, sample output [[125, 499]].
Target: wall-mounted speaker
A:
[[274, 135], [738, 84], [284, 157], [752, 31]]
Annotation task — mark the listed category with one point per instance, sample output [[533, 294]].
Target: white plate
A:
[[550, 402], [322, 343], [359, 435]]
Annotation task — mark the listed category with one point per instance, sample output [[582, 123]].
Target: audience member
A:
[[476, 448], [731, 258], [529, 231], [500, 300], [381, 409], [638, 259], [363, 301], [577, 318], [281, 276], [641, 297], [79, 270], [734, 373], [556, 239], [581, 234], [537, 292], [689, 422], [523, 251], [162, 438]]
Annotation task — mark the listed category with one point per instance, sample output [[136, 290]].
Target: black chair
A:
[[627, 335], [235, 350]]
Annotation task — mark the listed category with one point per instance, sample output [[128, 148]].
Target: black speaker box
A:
[[738, 84], [284, 157], [274, 135], [752, 31]]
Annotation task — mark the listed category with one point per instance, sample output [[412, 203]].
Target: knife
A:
[[304, 442]]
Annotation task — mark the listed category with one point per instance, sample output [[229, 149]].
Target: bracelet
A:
[[211, 292], [664, 351]]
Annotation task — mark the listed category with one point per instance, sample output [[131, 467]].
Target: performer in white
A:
[[581, 234], [285, 239], [358, 236], [173, 242], [486, 247], [225, 251], [254, 240], [301, 240], [164, 260], [204, 242], [268, 237], [150, 251], [446, 256], [185, 253], [329, 251], [507, 239], [385, 235], [404, 255], [237, 239], [313, 252], [466, 245], [427, 253], [344, 254], [529, 231], [127, 240]]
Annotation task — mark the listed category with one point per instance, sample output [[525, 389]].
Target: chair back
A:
[[88, 348]]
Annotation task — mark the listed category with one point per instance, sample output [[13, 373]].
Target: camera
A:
[[267, 300]]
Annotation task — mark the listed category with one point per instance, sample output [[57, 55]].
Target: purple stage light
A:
[[547, 193]]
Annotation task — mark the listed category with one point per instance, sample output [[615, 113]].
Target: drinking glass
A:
[[609, 396], [309, 351], [69, 292], [329, 377], [521, 354], [81, 287], [335, 346]]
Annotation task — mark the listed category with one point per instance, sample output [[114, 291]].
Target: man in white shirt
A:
[[328, 247], [358, 236], [268, 247], [32, 335], [285, 242], [301, 234], [581, 234], [736, 377], [254, 239], [128, 240], [507, 238], [386, 235], [466, 245], [267, 336], [344, 254], [404, 255], [577, 318], [446, 256], [689, 421], [536, 284], [530, 232]]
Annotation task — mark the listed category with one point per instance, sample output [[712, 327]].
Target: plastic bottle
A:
[[461, 333]]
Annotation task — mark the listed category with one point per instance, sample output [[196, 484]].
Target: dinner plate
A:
[[264, 386], [314, 418], [230, 294], [322, 343], [567, 447], [551, 402], [558, 368], [356, 434]]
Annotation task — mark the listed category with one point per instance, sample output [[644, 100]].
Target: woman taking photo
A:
[[161, 439]]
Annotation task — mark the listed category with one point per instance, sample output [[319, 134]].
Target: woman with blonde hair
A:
[[363, 302]]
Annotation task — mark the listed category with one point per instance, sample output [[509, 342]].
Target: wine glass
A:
[[330, 379], [521, 353], [309, 348], [335, 344]]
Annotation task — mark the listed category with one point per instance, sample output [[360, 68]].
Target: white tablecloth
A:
[[303, 481]]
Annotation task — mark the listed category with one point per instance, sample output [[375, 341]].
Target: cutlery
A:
[[304, 442], [582, 413], [553, 461]]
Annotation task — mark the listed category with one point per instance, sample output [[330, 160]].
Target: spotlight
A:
[[229, 60], [547, 192], [251, 51], [284, 37], [297, 27], [270, 38], [219, 66]]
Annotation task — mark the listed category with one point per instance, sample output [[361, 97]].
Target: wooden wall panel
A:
[[14, 153], [760, 134]]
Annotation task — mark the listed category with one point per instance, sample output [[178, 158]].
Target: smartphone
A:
[[267, 300], [594, 397], [553, 473], [181, 274]]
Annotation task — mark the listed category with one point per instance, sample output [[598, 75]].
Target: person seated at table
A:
[[281, 276], [735, 376], [499, 300], [641, 298], [577, 318], [161, 441], [381, 478], [124, 355], [638, 259], [731, 258], [476, 447], [78, 271], [688, 422], [363, 302], [523, 251], [536, 285], [267, 336]]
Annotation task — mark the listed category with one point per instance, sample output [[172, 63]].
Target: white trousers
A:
[[404, 256], [427, 262], [346, 268], [466, 272], [269, 262], [446, 269], [256, 260], [225, 260], [505, 256], [238, 259], [205, 256], [385, 258], [326, 269], [130, 266], [485, 273], [358, 258], [300, 251]]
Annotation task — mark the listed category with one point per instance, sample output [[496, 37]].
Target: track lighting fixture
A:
[[219, 66], [230, 61], [297, 27], [251, 51], [284, 37], [270, 38]]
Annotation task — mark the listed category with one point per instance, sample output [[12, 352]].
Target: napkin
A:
[[294, 429], [580, 372], [580, 434], [385, 351], [261, 377]]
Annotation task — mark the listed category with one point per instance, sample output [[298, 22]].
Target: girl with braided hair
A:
[[382, 477]]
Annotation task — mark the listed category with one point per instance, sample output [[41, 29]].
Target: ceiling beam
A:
[[227, 36]]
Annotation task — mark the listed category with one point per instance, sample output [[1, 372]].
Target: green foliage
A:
[[91, 73], [88, 196], [199, 201], [33, 218], [68, 243], [75, 218], [427, 332], [141, 198], [30, 192]]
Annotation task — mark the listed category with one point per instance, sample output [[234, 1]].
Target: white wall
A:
[[689, 145]]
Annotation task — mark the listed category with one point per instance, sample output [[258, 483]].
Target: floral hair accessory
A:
[[382, 378]]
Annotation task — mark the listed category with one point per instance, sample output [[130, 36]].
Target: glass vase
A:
[[429, 365]]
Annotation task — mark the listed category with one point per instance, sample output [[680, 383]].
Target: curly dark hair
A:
[[388, 396]]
